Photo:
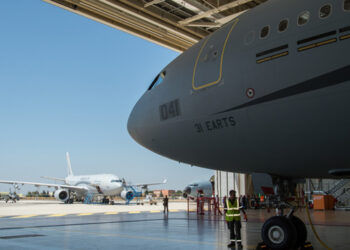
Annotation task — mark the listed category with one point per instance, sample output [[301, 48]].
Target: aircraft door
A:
[[208, 65]]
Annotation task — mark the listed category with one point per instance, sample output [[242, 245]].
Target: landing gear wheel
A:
[[279, 233], [301, 231]]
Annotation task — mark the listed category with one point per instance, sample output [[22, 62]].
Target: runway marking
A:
[[154, 211], [84, 214], [24, 216], [56, 215], [134, 212], [110, 213], [173, 210]]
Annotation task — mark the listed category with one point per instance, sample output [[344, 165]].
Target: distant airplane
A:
[[88, 186], [195, 189], [268, 92]]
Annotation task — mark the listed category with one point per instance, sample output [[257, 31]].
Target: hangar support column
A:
[[225, 181]]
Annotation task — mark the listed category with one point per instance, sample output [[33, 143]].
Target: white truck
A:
[[149, 199]]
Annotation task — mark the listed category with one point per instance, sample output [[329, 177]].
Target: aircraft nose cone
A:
[[132, 125], [137, 124], [144, 125]]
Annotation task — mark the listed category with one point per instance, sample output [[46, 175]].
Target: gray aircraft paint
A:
[[192, 189], [295, 123]]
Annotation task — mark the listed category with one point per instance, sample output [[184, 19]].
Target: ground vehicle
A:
[[149, 199], [11, 196]]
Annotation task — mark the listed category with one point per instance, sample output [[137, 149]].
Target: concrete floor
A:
[[146, 230]]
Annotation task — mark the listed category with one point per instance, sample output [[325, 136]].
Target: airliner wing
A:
[[149, 184], [52, 178], [37, 184]]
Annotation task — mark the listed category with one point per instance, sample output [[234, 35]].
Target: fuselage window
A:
[[264, 32], [347, 5], [303, 18], [158, 80], [325, 11], [283, 25]]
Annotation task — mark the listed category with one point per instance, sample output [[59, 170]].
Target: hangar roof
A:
[[175, 24]]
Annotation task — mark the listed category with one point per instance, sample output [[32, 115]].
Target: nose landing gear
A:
[[280, 232], [283, 232]]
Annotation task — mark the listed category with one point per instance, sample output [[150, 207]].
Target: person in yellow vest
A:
[[233, 218]]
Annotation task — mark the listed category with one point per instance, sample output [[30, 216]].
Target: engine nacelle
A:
[[62, 195], [127, 195]]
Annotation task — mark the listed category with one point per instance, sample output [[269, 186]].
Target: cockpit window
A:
[[158, 80], [116, 181], [346, 4], [283, 25], [325, 11], [264, 32]]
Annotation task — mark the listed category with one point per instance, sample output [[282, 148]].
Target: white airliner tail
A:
[[69, 166]]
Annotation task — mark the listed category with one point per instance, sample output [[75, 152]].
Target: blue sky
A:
[[68, 83]]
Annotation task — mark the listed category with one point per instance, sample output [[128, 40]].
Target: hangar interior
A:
[[225, 181], [244, 185]]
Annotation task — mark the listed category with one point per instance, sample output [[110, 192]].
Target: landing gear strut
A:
[[283, 231]]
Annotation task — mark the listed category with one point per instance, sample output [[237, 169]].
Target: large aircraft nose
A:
[[132, 124], [146, 127], [138, 123]]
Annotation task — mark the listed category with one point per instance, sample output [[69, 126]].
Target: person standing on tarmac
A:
[[165, 204], [233, 218]]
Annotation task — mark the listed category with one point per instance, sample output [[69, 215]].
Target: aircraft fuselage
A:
[[240, 102]]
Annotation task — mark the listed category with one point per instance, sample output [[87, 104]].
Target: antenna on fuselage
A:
[[69, 166]]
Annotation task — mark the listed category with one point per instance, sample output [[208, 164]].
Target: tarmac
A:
[[52, 225]]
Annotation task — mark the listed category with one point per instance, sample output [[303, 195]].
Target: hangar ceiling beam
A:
[[122, 18], [226, 19], [205, 24], [153, 2], [163, 15], [151, 20], [169, 23], [214, 11]]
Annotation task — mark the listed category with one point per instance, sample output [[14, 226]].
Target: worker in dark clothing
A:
[[233, 218], [244, 202], [165, 204]]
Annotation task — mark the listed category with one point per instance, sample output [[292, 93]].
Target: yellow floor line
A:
[[85, 214], [154, 211], [24, 216], [134, 212], [56, 215], [110, 212]]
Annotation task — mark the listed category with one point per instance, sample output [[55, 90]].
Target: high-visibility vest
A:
[[232, 211]]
